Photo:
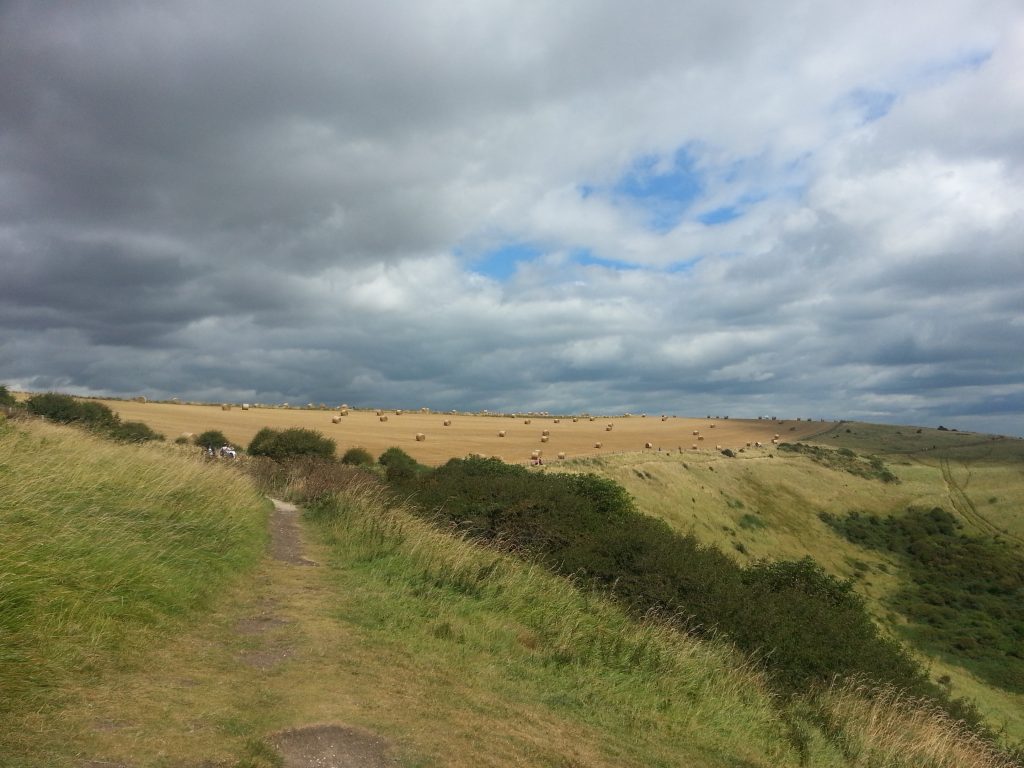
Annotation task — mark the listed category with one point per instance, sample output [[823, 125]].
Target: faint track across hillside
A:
[[963, 504]]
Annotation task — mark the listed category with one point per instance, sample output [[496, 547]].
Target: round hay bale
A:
[[561, 454], [335, 419], [592, 418], [693, 447], [382, 418], [711, 426], [608, 428], [696, 432], [398, 412], [718, 447], [557, 421], [544, 438], [245, 406], [664, 418], [447, 422], [648, 445], [527, 421], [597, 445], [420, 437], [343, 412], [186, 435], [643, 415], [225, 407], [501, 433], [379, 412], [545, 432], [700, 437], [574, 421], [535, 455], [424, 410]]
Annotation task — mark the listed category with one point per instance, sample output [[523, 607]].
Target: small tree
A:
[[359, 457], [399, 465]]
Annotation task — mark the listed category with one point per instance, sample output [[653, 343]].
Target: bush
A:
[[212, 438], [64, 409], [806, 626], [133, 432], [6, 398], [359, 457], [399, 466], [290, 443]]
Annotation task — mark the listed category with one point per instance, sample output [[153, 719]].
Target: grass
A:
[[105, 546]]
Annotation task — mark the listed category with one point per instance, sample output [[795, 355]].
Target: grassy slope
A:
[[104, 548], [765, 507], [459, 655]]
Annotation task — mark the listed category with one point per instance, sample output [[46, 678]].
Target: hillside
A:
[[367, 627], [771, 507]]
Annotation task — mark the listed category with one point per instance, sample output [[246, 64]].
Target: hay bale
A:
[[693, 447], [711, 426], [648, 445], [382, 418], [447, 422], [718, 447], [592, 418], [245, 406], [597, 445], [335, 419], [398, 412], [527, 421], [545, 432], [608, 428], [561, 454], [225, 407], [700, 437], [501, 433], [420, 437], [139, 399], [696, 432], [544, 438], [535, 455], [574, 421], [424, 410], [557, 421], [664, 418], [379, 412]]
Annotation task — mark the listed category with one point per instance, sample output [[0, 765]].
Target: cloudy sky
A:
[[800, 208]]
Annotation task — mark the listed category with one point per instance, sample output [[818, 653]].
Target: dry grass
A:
[[882, 729]]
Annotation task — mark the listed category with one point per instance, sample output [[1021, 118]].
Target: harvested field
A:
[[470, 433]]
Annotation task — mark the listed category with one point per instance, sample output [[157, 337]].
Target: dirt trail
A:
[[269, 665], [965, 506]]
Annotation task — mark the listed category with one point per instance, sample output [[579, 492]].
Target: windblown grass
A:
[[103, 546], [884, 729]]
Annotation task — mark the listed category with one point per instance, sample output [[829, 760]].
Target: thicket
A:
[[281, 445], [966, 593], [6, 398], [844, 460], [64, 409], [804, 624]]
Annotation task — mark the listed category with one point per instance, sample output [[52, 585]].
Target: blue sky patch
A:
[[585, 258], [664, 192], [871, 104], [500, 263], [720, 215]]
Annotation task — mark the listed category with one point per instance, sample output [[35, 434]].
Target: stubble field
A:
[[474, 433]]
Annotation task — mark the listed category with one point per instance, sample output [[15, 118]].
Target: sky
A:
[[803, 209]]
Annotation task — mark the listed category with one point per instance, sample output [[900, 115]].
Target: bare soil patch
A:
[[285, 538], [333, 746]]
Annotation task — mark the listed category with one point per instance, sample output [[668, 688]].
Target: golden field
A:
[[473, 433]]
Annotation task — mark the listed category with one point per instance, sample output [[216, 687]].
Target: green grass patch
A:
[[844, 460], [105, 544]]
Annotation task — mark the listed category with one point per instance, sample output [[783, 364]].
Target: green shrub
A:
[[359, 457], [6, 398], [291, 443], [212, 438], [399, 466], [806, 626], [64, 409], [133, 432], [965, 595]]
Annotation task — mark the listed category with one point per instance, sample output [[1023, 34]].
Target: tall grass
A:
[[661, 690], [644, 680], [882, 728], [103, 545]]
